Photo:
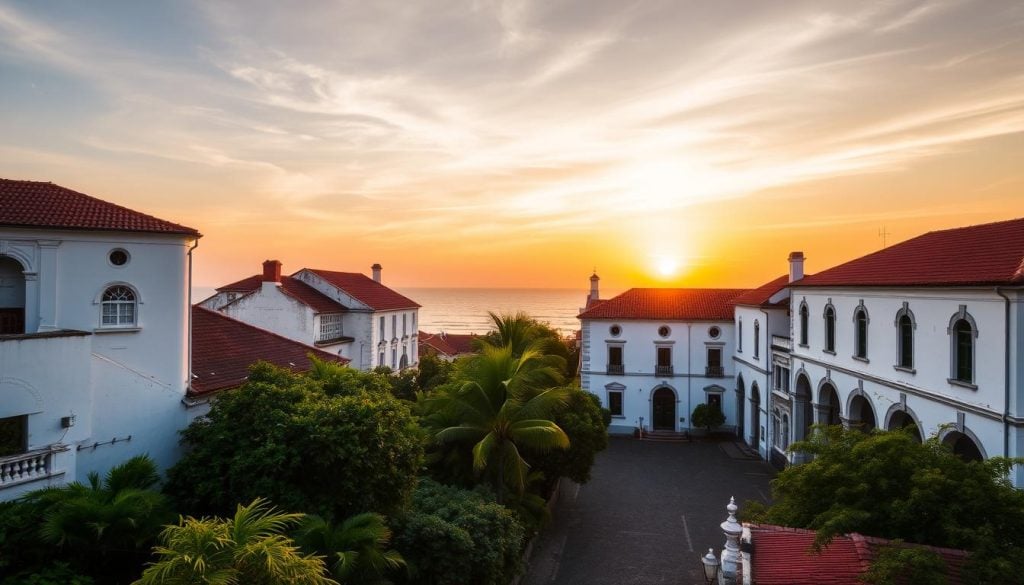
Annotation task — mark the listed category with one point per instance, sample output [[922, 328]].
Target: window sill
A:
[[861, 359], [962, 384], [619, 416], [829, 352], [905, 369], [803, 345], [102, 330]]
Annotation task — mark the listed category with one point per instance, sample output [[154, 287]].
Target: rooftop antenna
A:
[[884, 234]]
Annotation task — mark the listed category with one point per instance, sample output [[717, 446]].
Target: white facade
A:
[[100, 371], [653, 396], [758, 330]]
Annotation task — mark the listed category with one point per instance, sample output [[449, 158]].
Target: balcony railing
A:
[[714, 372], [663, 370], [780, 342], [29, 466], [616, 369]]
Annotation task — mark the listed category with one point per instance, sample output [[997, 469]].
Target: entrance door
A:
[[664, 409]]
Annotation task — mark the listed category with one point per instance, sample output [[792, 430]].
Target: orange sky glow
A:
[[523, 144]]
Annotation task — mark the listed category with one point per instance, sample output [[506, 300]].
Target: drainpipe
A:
[[1006, 375], [689, 376], [188, 380], [769, 377]]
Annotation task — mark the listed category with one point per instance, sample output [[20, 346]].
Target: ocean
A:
[[464, 310]]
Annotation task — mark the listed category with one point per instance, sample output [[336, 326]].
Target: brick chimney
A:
[[796, 266], [271, 271], [376, 268]]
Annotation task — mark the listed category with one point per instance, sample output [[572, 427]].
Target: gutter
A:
[[1006, 374]]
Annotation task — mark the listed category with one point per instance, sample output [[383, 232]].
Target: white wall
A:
[[269, 308]]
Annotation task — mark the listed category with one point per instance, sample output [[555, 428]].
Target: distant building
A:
[[447, 346], [94, 344], [652, 355], [343, 313]]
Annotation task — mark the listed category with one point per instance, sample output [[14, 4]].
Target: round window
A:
[[714, 332], [118, 257], [664, 331], [615, 330]]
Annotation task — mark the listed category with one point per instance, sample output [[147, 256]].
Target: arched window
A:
[[118, 307], [785, 431], [860, 333], [804, 317], [739, 337], [757, 338], [830, 328], [963, 350], [905, 324]]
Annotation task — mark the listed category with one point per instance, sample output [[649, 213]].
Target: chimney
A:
[[271, 271], [594, 294], [376, 268], [796, 266]]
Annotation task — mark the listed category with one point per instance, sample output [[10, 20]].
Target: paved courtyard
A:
[[647, 514]]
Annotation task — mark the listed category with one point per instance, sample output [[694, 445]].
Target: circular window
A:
[[118, 257], [714, 332], [664, 331], [615, 330]]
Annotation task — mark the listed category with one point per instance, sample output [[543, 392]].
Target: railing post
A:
[[733, 530]]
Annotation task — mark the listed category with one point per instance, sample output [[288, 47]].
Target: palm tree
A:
[[522, 332], [107, 525], [249, 549], [358, 548], [497, 409]]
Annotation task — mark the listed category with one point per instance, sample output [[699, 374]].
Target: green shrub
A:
[[707, 416]]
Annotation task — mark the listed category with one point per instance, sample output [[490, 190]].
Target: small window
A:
[[739, 337], [394, 326], [714, 357], [380, 359], [13, 435], [830, 329], [963, 349], [382, 337], [906, 340], [118, 257], [715, 402], [757, 339], [664, 331], [394, 359], [404, 363], [804, 316], [615, 355], [714, 332], [860, 319], [664, 357], [118, 307], [405, 325], [615, 402], [615, 330]]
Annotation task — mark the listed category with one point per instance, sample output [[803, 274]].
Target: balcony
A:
[[782, 343], [663, 370], [30, 466], [616, 369], [714, 372]]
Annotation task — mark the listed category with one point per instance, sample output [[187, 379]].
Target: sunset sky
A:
[[522, 144]]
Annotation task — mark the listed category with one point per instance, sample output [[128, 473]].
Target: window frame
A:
[[829, 315], [19, 421], [861, 322], [957, 341], [620, 394], [757, 339], [804, 318], [905, 314], [118, 305]]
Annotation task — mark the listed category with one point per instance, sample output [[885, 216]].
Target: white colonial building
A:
[[94, 306], [344, 313], [652, 355]]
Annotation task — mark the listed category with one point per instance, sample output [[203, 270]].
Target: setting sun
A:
[[666, 266]]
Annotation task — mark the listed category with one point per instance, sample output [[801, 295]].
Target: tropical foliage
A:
[[251, 548], [585, 423], [356, 551], [452, 536], [889, 485], [321, 444]]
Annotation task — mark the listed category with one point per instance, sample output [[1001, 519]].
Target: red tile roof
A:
[[449, 344], [292, 287], [668, 304], [783, 556], [35, 204], [366, 290], [760, 296], [224, 348], [989, 254]]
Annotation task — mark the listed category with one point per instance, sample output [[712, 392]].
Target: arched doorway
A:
[[741, 419], [902, 419], [963, 446], [828, 405], [12, 296], [755, 416], [663, 406], [862, 415], [803, 415]]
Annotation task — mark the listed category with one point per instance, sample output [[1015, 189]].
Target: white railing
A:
[[30, 466], [330, 327]]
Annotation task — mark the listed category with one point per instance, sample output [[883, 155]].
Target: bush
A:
[[452, 536], [582, 419], [310, 445], [707, 416]]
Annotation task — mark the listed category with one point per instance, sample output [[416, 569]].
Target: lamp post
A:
[[711, 566]]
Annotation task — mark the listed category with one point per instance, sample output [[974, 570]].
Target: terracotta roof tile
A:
[[292, 287], [668, 304], [989, 254], [224, 348], [368, 291], [760, 296], [35, 204], [784, 556], [449, 344]]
